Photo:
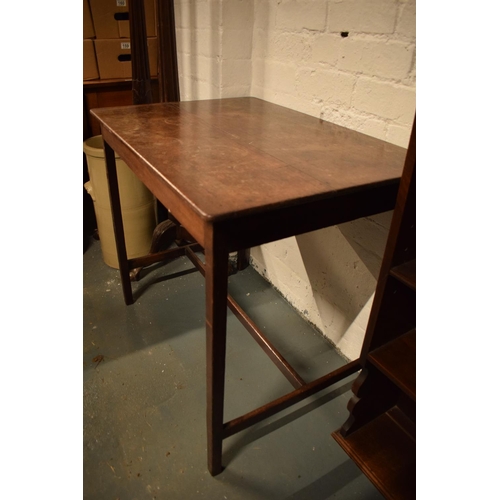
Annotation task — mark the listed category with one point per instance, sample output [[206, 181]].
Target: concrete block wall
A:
[[214, 48], [351, 62]]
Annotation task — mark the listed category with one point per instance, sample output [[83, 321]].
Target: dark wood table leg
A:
[[243, 259], [216, 258], [116, 213]]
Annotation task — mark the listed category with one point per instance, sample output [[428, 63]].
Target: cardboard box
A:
[[114, 57], [107, 15], [88, 25], [90, 70]]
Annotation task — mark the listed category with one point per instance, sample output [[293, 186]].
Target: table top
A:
[[226, 158]]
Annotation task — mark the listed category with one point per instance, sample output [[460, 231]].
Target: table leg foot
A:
[[215, 460]]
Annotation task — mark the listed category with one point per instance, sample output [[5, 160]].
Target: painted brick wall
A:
[[364, 81], [214, 48], [293, 53]]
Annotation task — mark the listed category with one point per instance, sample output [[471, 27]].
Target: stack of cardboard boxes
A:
[[90, 71], [106, 44]]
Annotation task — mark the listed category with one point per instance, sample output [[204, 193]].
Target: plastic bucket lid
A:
[[95, 147]]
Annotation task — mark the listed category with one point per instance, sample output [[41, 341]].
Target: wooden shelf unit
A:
[[396, 360], [385, 452], [380, 433], [406, 273]]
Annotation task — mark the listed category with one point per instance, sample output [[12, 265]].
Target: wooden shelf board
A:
[[111, 82], [385, 453], [397, 361], [406, 273]]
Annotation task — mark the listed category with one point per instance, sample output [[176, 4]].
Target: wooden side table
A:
[[237, 173]]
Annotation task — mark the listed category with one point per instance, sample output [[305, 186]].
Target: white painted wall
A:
[[214, 46], [365, 81], [291, 52]]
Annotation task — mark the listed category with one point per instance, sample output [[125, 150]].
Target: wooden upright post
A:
[[168, 74], [141, 77]]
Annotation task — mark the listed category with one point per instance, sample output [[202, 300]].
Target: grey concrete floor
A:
[[144, 394]]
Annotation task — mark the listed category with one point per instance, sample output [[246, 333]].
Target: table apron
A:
[[258, 228]]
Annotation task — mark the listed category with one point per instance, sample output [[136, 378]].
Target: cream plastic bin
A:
[[137, 203]]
